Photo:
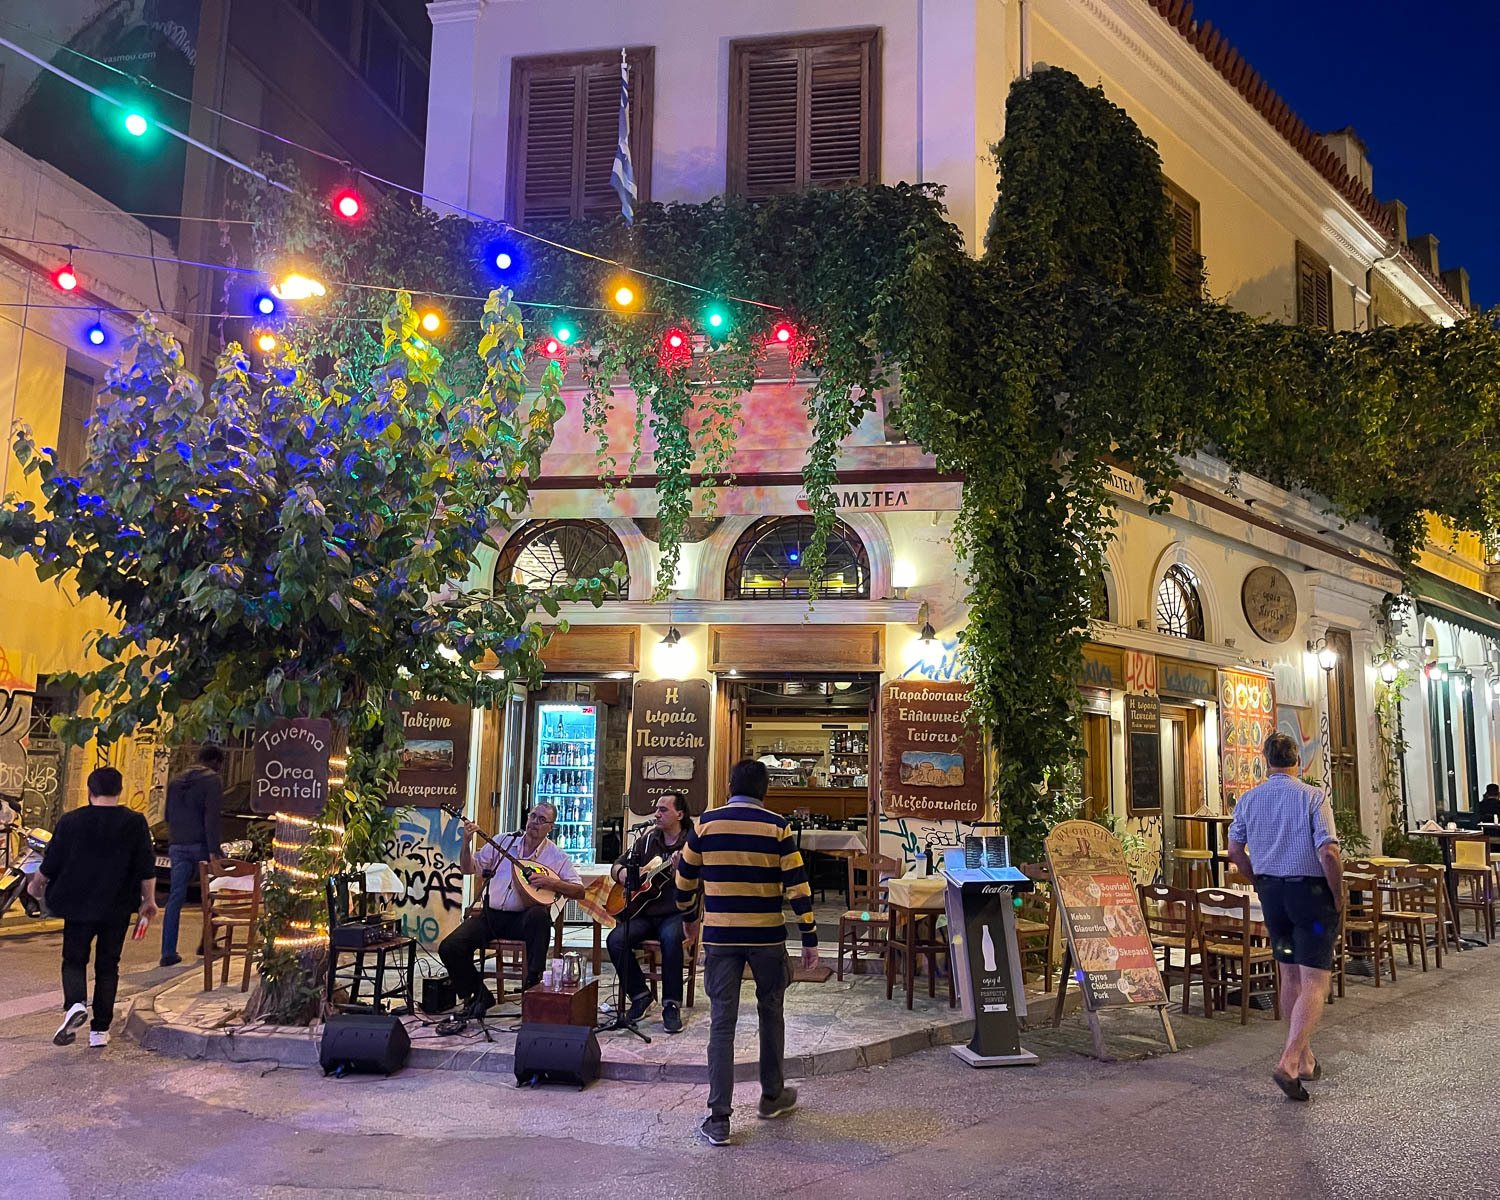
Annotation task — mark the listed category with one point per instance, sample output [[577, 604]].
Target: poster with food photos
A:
[[1106, 930], [1247, 716]]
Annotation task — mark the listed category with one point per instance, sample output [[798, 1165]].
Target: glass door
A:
[[565, 766]]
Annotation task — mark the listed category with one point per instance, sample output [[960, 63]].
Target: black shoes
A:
[[771, 1107], [671, 1017], [170, 960], [638, 1006], [715, 1131], [480, 1003]]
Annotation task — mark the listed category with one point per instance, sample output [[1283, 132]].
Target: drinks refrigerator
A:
[[566, 763]]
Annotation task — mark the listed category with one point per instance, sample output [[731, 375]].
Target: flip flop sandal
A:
[[1315, 1075], [1290, 1085]]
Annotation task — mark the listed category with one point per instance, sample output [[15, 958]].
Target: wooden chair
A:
[[511, 960], [1229, 955], [1419, 909], [864, 924], [228, 911], [1192, 869], [1036, 922], [912, 934], [651, 952], [1364, 914], [1172, 924], [1476, 876], [1336, 975]]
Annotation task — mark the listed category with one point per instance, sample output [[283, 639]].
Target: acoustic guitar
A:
[[524, 871], [656, 878]]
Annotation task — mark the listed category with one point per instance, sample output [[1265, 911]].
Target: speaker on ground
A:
[[371, 1044], [557, 1054]]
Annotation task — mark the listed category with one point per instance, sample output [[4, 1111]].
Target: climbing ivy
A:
[[1067, 343]]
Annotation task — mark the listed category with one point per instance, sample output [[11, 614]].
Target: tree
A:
[[285, 546]]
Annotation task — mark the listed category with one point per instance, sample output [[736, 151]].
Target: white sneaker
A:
[[98, 1037], [72, 1020]]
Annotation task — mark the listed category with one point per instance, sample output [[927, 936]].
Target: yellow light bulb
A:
[[266, 342], [431, 321], [624, 296]]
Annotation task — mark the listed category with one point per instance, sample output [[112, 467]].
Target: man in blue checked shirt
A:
[[1286, 826]]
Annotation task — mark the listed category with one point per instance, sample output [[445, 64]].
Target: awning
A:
[[1447, 601]]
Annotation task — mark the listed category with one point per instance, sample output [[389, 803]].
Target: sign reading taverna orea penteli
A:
[[929, 752], [291, 766]]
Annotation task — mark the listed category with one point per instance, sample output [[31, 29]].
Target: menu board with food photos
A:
[[1108, 943], [1247, 716]]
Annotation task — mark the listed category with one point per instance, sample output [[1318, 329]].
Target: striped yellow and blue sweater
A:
[[745, 859]]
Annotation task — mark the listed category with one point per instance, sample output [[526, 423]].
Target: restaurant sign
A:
[[291, 767], [1102, 919], [1103, 667], [1143, 753], [669, 723], [1270, 604], [929, 752], [435, 758]]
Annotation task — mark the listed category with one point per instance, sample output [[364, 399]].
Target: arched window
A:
[[1099, 597], [544, 554], [1179, 612], [767, 563]]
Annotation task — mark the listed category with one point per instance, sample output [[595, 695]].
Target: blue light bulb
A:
[[95, 335]]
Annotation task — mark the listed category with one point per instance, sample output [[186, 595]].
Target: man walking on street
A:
[[193, 801], [98, 868], [747, 862], [1285, 827]]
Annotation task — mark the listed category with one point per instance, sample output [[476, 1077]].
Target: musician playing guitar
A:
[[513, 912], [653, 914]]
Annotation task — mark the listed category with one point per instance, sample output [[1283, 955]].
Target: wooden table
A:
[[1445, 839], [1212, 823], [543, 1005]]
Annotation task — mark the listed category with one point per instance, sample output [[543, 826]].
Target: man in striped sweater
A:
[[747, 862]]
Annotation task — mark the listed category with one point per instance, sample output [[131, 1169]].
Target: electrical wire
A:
[[350, 168]]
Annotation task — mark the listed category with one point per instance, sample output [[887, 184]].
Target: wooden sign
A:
[[1107, 941], [1143, 753], [930, 765], [1270, 604], [291, 767], [435, 760], [669, 723]]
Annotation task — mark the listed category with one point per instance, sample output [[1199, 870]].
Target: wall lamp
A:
[[1327, 656]]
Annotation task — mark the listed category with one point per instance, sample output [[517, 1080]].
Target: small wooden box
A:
[[541, 1005]]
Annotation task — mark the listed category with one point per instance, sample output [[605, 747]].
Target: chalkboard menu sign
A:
[[1143, 753], [669, 743], [1106, 930]]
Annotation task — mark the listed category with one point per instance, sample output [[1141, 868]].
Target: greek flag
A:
[[622, 174]]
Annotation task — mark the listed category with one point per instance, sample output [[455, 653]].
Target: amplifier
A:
[[356, 935]]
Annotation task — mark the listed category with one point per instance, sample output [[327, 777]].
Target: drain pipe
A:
[[1025, 19]]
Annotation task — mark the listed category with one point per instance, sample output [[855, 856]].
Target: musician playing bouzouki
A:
[[655, 915], [513, 911]]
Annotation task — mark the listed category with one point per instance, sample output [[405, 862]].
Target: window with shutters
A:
[[1314, 290], [564, 128], [804, 112], [77, 407], [1187, 253]]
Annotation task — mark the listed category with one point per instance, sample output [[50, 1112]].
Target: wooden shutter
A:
[[803, 112], [1314, 290], [1186, 255], [76, 408], [565, 124]]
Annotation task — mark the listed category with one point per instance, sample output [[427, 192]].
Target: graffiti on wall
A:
[[424, 855]]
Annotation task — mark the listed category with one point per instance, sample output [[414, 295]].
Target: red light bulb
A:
[[783, 332], [552, 348], [347, 204], [674, 340], [65, 278]]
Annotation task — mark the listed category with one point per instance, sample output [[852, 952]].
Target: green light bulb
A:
[[135, 124]]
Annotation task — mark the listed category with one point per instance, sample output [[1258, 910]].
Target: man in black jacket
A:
[[193, 800], [98, 869]]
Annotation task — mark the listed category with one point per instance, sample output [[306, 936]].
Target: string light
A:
[[432, 321], [95, 334], [135, 124], [298, 287], [716, 320], [266, 342], [623, 295], [783, 333], [65, 278], [563, 331], [305, 942], [347, 204], [265, 304]]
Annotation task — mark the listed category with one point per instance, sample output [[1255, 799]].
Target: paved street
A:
[[1406, 1110]]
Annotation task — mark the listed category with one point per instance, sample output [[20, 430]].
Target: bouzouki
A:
[[524, 871]]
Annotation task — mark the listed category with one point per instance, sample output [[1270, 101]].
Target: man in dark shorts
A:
[[1286, 827]]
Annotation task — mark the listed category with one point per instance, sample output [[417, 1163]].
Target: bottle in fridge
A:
[[568, 734]]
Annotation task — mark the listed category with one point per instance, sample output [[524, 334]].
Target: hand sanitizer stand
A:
[[985, 960]]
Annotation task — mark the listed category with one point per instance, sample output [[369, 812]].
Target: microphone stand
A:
[[455, 1025], [620, 1024]]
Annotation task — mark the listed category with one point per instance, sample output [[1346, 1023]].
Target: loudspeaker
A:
[[557, 1054], [438, 995], [372, 1044]]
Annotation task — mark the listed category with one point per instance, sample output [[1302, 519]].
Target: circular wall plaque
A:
[[1270, 604]]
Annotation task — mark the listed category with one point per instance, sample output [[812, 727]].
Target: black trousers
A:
[[107, 938], [530, 925], [665, 928]]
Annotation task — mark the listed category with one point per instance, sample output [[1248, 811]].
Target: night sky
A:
[[1418, 84]]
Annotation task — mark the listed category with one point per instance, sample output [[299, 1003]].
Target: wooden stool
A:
[[912, 933], [1192, 869]]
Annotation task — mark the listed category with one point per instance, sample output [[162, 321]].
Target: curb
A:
[[299, 1048], [30, 927]]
